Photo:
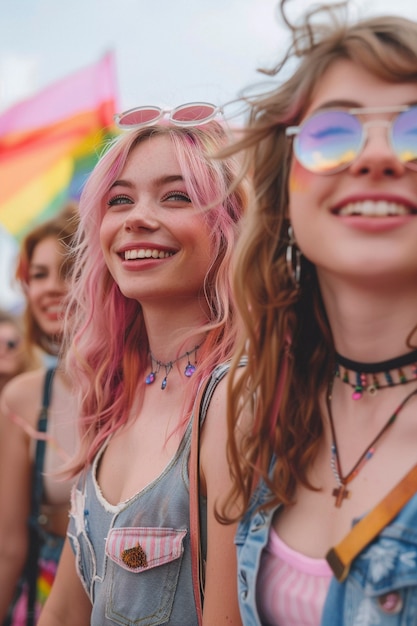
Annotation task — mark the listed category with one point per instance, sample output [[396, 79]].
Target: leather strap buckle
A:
[[340, 570]]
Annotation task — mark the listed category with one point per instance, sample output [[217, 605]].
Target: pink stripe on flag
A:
[[82, 91]]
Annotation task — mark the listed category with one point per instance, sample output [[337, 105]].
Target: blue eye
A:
[[177, 196], [119, 200]]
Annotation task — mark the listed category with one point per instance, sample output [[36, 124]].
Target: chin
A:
[[130, 292], [52, 329]]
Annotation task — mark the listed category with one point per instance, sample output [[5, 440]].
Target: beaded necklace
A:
[[341, 492], [156, 366], [371, 377]]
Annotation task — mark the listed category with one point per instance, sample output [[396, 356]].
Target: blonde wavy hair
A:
[[62, 226]]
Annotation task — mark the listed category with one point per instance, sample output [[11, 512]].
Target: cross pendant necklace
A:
[[341, 492]]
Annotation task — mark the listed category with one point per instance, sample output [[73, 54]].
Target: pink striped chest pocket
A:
[[138, 549]]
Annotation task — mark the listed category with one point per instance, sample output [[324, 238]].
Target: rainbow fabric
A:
[[50, 142], [46, 576], [45, 580]]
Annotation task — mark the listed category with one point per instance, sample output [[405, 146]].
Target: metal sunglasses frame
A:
[[294, 131]]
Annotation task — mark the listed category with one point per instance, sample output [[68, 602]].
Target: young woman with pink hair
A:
[[151, 318]]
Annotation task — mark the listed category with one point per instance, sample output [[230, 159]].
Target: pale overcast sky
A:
[[167, 51]]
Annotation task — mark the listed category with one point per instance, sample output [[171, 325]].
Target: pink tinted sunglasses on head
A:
[[190, 114]]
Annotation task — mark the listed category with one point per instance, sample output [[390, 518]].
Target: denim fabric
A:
[[381, 588], [134, 558], [251, 538]]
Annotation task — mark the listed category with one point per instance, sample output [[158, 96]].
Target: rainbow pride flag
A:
[[49, 143]]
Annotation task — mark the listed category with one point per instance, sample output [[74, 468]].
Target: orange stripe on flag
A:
[[30, 199], [43, 148], [48, 141]]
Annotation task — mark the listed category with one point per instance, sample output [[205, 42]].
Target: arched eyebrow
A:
[[157, 182], [173, 178], [37, 267]]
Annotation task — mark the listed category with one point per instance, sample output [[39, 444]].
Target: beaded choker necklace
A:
[[374, 376], [341, 492], [157, 365]]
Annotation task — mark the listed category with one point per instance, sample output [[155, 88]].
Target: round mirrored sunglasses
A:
[[330, 140]]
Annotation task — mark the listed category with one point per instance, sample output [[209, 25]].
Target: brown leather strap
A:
[[341, 556], [200, 408], [195, 506]]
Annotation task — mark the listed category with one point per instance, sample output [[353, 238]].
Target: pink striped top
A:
[[291, 587]]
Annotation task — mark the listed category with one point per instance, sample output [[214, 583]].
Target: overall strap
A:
[[37, 483], [36, 499], [201, 404]]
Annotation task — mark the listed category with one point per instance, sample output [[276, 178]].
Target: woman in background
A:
[[14, 356], [37, 431]]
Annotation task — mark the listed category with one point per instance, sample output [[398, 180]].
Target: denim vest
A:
[[381, 588], [134, 558]]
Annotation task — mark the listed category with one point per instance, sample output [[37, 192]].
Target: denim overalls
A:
[[381, 589], [134, 558]]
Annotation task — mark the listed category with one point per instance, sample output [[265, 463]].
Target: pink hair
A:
[[105, 328]]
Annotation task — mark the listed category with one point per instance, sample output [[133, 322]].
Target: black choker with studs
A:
[[371, 377]]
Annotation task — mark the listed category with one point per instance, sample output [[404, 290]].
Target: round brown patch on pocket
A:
[[134, 557]]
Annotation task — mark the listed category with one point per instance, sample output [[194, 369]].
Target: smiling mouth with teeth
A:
[[370, 208], [146, 253]]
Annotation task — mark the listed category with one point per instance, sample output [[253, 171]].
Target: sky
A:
[[167, 52]]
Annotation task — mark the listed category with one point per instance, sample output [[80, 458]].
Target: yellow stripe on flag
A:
[[28, 202]]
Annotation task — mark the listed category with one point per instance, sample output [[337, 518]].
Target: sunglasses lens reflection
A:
[[328, 141], [404, 137]]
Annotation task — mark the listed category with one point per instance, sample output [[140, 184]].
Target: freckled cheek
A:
[[102, 241], [106, 241], [107, 257], [105, 237]]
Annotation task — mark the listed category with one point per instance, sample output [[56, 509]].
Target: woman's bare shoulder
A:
[[23, 395]]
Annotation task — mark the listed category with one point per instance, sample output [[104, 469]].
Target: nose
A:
[[57, 282], [377, 157], [54, 281], [141, 217]]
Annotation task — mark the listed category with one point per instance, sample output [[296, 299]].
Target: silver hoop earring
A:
[[293, 258]]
